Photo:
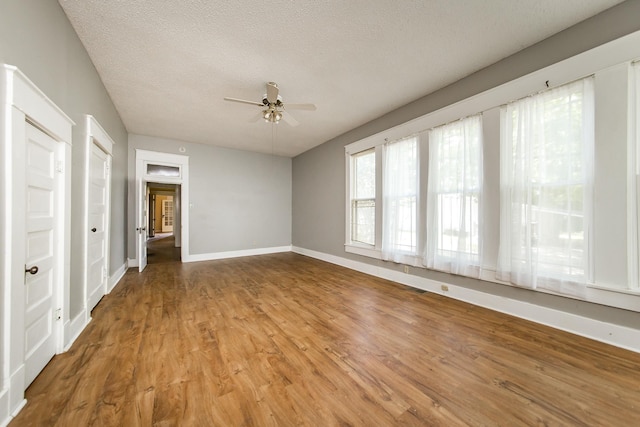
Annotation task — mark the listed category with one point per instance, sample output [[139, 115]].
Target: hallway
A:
[[162, 250]]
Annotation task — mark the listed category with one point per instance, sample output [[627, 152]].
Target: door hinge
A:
[[60, 166], [58, 315]]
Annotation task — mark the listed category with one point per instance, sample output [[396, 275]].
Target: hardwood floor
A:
[[162, 250], [288, 340]]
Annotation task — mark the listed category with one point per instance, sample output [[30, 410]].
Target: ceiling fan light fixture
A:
[[272, 116]]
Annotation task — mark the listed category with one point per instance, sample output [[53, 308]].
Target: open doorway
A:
[[162, 168], [163, 242]]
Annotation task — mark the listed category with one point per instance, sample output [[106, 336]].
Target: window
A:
[[454, 197], [546, 180], [399, 199], [530, 219], [363, 197], [163, 170]]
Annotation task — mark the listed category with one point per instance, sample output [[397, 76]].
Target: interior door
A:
[[167, 215], [96, 256], [40, 270], [143, 192]]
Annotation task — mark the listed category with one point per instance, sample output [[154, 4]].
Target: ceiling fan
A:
[[273, 108]]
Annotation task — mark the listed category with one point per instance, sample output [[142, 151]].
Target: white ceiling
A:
[[168, 64]]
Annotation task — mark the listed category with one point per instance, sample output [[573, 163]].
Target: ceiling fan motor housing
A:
[[278, 102]]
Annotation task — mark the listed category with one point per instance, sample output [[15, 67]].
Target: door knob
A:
[[94, 229], [32, 270]]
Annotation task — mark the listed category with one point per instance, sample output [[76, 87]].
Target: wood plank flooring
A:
[[162, 250], [284, 340]]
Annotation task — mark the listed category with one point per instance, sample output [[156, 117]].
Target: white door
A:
[[40, 270], [96, 250], [167, 215], [143, 192]]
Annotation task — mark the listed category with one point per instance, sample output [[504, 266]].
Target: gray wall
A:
[[319, 174], [36, 36], [239, 200]]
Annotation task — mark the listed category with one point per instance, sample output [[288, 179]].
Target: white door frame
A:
[[144, 157], [177, 217], [94, 134], [22, 101]]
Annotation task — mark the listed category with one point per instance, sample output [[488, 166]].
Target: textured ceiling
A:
[[168, 64]]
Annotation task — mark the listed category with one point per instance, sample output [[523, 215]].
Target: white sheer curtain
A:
[[454, 198], [399, 199], [546, 185]]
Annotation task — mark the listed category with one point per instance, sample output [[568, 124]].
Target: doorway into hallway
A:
[[163, 224]]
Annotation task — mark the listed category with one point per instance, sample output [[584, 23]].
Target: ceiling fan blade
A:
[[272, 92], [289, 119], [309, 107], [242, 101]]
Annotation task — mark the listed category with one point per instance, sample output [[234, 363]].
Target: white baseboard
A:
[[115, 277], [18, 408], [75, 328], [236, 254], [12, 396], [5, 413], [224, 255], [619, 336]]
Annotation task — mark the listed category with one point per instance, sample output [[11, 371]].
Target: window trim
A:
[[633, 178]]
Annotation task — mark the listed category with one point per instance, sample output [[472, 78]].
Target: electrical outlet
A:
[[406, 269], [444, 288]]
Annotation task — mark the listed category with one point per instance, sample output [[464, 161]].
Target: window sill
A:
[[363, 250], [628, 299], [371, 252], [634, 292]]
